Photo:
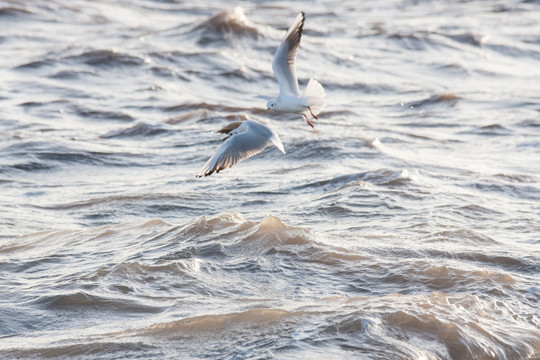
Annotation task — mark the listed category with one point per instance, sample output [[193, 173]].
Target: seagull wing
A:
[[284, 63], [241, 146]]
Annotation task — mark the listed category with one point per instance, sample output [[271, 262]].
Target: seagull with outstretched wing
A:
[[313, 100], [243, 140]]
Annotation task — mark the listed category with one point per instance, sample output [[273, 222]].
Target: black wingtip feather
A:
[[294, 38]]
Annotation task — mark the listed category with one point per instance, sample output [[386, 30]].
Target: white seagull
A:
[[312, 101], [243, 140]]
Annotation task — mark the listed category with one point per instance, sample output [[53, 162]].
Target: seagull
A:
[[312, 101], [244, 139]]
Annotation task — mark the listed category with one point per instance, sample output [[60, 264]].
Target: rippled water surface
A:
[[405, 226]]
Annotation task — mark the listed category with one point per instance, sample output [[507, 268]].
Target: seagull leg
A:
[[312, 114], [309, 123]]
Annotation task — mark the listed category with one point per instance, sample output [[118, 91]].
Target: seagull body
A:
[[312, 101], [243, 140]]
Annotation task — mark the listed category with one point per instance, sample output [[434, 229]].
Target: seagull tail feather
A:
[[315, 96]]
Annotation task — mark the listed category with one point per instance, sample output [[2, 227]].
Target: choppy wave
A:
[[140, 129], [225, 25], [106, 58], [245, 258], [39, 156], [449, 99], [377, 177], [403, 226], [12, 11]]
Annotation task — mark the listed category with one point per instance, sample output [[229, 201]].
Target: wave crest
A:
[[213, 324], [225, 25]]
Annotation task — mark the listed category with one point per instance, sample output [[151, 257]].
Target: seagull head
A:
[[270, 105]]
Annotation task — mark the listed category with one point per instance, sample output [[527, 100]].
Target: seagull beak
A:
[[267, 110]]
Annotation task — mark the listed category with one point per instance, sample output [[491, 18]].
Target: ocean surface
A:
[[406, 225]]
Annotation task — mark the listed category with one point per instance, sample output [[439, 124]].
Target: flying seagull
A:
[[243, 140], [312, 101]]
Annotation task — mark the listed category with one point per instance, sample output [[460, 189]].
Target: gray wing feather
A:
[[284, 63]]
